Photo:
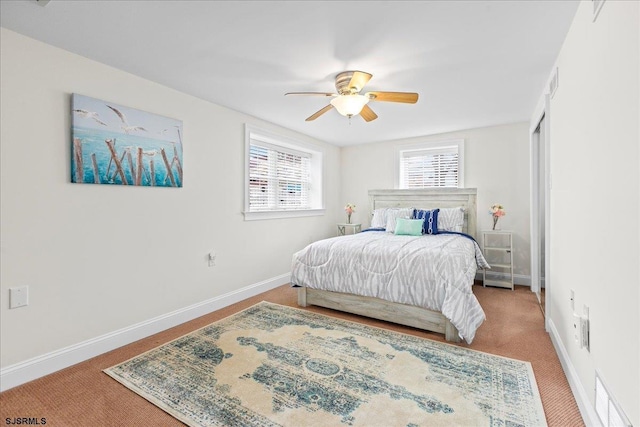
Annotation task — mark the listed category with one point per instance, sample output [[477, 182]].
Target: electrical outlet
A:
[[584, 333], [18, 297], [585, 327], [581, 329], [573, 300], [576, 328], [212, 259]]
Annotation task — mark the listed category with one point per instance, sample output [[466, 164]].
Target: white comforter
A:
[[432, 271]]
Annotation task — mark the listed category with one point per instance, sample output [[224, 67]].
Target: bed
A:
[[419, 281]]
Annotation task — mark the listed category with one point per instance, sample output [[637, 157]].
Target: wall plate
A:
[[18, 297]]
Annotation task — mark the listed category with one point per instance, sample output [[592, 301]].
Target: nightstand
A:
[[497, 247], [354, 228]]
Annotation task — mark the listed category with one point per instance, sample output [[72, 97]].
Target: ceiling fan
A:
[[349, 102]]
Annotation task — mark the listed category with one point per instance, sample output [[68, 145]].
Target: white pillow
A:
[[395, 213], [379, 219], [451, 219]]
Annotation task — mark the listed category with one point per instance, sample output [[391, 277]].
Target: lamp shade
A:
[[349, 105]]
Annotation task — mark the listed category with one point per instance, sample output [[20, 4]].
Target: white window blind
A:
[[430, 167], [279, 178]]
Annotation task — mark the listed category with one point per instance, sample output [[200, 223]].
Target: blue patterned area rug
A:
[[272, 365]]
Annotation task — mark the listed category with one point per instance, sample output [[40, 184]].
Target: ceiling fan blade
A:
[[359, 79], [406, 97], [319, 113], [311, 93], [367, 114]]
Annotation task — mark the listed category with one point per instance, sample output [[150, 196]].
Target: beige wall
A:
[[496, 163], [595, 214], [100, 258]]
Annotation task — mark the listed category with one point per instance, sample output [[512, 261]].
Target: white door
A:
[[538, 139], [540, 188]]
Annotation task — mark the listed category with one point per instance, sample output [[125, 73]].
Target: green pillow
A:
[[409, 227]]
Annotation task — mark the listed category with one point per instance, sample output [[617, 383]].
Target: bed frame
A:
[[403, 314]]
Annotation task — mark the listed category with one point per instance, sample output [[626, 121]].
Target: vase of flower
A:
[[497, 211], [349, 209]]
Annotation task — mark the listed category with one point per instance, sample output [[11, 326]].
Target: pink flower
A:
[[497, 210]]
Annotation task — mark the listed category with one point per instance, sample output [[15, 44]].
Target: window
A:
[[278, 179], [283, 177], [436, 164]]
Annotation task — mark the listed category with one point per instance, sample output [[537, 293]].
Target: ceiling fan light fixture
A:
[[349, 105], [348, 100]]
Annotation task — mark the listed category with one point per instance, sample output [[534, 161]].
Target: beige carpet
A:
[[83, 395]]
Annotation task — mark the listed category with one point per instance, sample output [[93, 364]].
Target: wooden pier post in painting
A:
[[115, 172], [134, 178], [140, 166], [168, 166], [124, 153], [96, 172], [176, 160], [106, 175], [152, 168], [114, 156], [77, 155]]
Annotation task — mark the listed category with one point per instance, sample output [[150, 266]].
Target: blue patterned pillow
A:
[[430, 225]]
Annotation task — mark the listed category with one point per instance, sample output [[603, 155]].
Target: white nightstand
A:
[[497, 247], [342, 228]]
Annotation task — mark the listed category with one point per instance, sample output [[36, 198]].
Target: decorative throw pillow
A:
[[451, 219], [409, 227], [429, 220], [395, 213], [379, 219]]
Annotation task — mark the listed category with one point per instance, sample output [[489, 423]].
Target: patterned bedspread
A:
[[432, 271]]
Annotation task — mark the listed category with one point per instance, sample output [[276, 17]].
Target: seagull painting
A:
[[89, 115], [125, 124], [136, 148]]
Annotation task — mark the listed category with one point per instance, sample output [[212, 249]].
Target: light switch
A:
[[18, 297]]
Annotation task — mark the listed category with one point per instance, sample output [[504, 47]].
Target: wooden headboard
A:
[[430, 198]]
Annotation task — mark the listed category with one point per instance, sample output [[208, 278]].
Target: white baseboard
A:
[[518, 279], [587, 411], [39, 366]]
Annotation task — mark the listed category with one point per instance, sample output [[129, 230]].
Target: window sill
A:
[[253, 216]]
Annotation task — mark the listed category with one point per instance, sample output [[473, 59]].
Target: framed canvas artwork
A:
[[113, 144]]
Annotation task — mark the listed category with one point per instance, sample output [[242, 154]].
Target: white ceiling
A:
[[474, 63]]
